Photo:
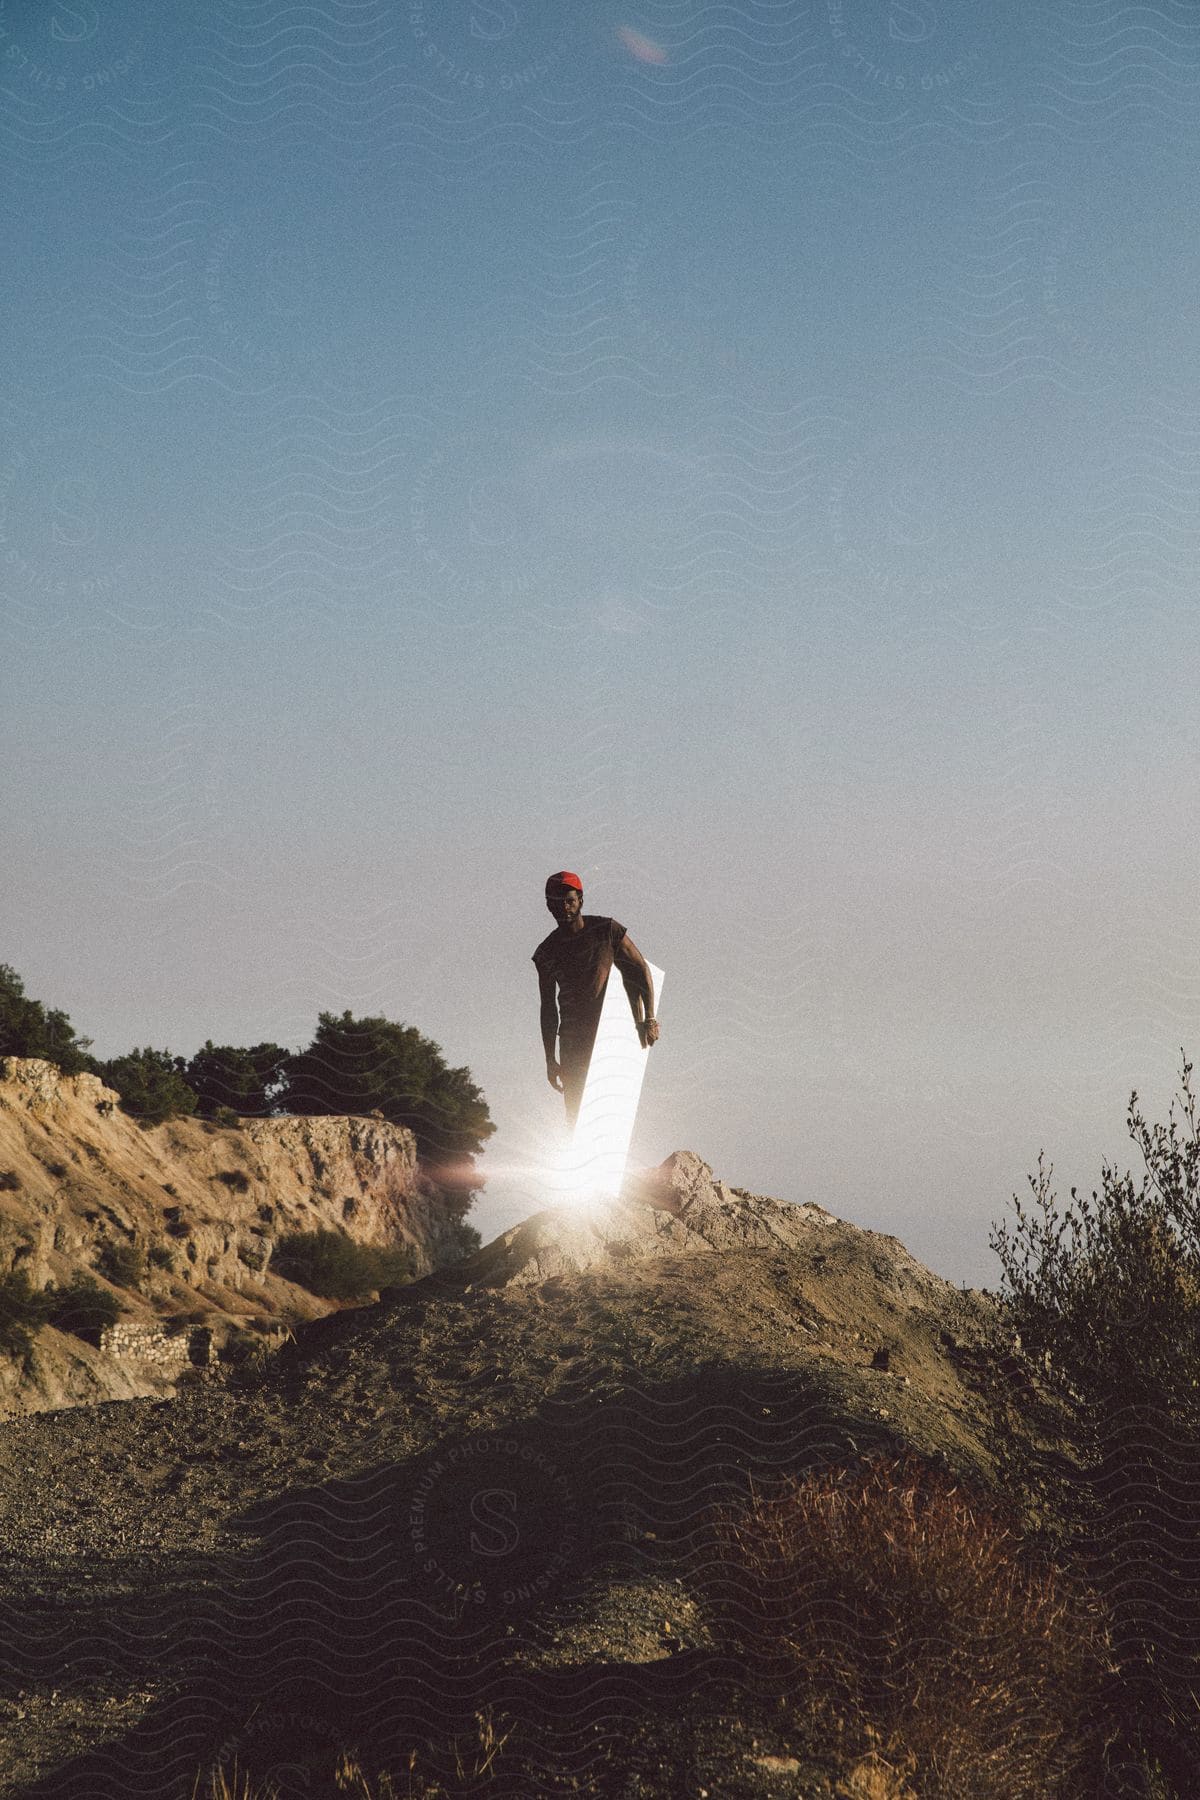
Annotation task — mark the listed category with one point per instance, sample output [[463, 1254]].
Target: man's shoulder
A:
[[545, 950]]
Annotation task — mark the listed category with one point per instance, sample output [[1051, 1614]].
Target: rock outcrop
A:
[[208, 1204], [681, 1209], [777, 1277]]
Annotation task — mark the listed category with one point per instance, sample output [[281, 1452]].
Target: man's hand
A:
[[649, 1032], [554, 1076]]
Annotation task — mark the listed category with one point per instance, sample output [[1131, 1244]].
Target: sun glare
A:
[[591, 1165]]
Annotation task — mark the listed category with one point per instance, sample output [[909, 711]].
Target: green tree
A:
[[376, 1065], [27, 1028], [246, 1081], [151, 1084]]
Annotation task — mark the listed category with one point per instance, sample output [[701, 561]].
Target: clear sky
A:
[[747, 454]]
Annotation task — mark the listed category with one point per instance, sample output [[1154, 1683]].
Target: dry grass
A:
[[908, 1626], [474, 1761], [873, 1777]]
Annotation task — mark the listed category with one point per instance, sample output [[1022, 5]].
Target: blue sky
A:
[[746, 454]]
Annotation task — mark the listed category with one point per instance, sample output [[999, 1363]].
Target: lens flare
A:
[[642, 48], [591, 1166]]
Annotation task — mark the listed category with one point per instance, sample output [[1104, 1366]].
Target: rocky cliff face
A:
[[679, 1209], [78, 1175]]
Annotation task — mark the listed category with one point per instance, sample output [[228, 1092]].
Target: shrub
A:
[[1108, 1290], [10, 1181], [461, 1240], [246, 1360], [236, 1180], [239, 1346], [902, 1614], [83, 1307], [122, 1264], [22, 1310], [335, 1267], [160, 1256], [59, 1170]]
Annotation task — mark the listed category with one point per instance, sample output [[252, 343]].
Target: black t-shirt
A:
[[580, 962]]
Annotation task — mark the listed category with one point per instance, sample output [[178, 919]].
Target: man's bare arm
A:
[[639, 985], [549, 1016]]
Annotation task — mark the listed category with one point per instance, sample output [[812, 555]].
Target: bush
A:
[[239, 1346], [122, 1264], [10, 1181], [83, 1307], [906, 1622], [22, 1310], [161, 1257], [151, 1085], [246, 1359], [333, 1266], [236, 1180], [1106, 1291]]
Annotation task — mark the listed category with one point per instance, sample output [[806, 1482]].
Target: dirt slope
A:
[[77, 1174], [321, 1552]]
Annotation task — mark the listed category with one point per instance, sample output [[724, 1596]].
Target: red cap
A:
[[563, 879]]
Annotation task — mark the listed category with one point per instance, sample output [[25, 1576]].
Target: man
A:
[[573, 966]]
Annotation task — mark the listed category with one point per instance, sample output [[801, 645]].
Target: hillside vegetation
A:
[[447, 1533], [369, 1065], [103, 1218], [693, 1492]]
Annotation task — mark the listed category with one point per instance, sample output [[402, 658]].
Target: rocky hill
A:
[[475, 1498], [209, 1203]]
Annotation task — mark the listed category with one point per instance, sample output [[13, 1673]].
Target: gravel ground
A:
[[316, 1547]]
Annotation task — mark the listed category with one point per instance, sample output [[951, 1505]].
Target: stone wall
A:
[[159, 1344]]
